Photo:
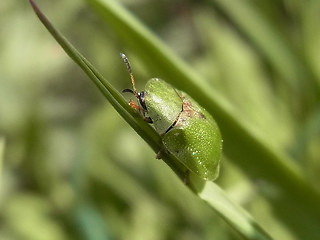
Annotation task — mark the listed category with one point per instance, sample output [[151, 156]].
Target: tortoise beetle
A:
[[187, 130]]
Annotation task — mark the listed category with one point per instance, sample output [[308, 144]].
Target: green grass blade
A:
[[233, 214], [2, 144], [273, 45], [113, 96], [265, 36], [145, 131], [242, 144]]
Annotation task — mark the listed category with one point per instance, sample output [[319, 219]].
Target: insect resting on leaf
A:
[[187, 130]]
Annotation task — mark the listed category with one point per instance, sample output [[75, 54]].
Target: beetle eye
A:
[[141, 95]]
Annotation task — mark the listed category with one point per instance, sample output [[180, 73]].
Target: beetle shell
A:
[[188, 131], [163, 104]]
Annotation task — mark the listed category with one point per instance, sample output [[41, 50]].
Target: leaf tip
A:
[[33, 4], [35, 8]]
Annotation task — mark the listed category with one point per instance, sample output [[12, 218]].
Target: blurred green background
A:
[[73, 169]]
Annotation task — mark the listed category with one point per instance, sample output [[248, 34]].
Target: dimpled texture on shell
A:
[[163, 104], [195, 140]]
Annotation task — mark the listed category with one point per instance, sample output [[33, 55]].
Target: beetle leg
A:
[[134, 106], [141, 110], [186, 179], [148, 119], [161, 153]]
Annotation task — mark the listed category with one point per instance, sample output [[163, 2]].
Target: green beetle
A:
[[187, 130]]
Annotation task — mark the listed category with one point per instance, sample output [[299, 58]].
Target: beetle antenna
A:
[[126, 61]]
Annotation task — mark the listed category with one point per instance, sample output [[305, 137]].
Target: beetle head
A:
[[139, 95]]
